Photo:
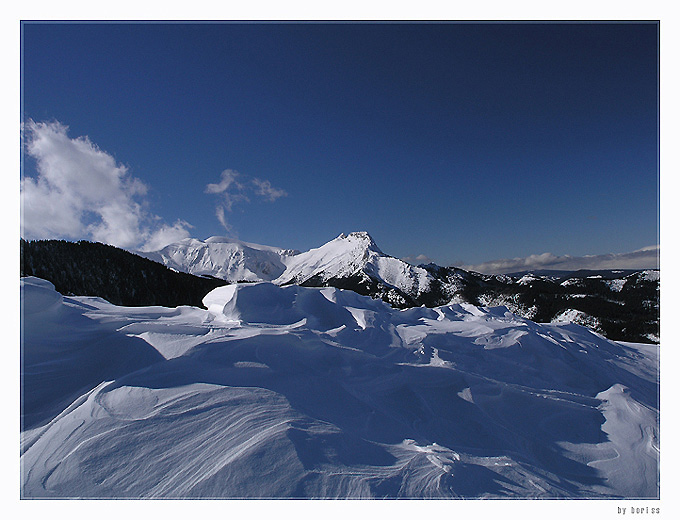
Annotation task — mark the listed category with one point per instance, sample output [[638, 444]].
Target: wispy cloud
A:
[[236, 187], [82, 192], [219, 212], [646, 258], [266, 190], [229, 189]]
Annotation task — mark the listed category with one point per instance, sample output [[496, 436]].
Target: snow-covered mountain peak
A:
[[360, 239], [258, 247], [342, 256], [354, 258]]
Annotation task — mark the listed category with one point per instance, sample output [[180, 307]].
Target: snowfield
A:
[[304, 392]]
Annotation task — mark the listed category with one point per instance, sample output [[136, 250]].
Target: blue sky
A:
[[464, 143]]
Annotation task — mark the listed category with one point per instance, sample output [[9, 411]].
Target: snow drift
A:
[[304, 392]]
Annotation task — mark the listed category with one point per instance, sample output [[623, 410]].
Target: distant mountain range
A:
[[556, 274], [620, 304]]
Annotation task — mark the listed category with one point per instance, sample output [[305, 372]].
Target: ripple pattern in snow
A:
[[303, 392]]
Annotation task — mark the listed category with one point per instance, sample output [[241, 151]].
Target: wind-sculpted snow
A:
[[66, 354], [303, 392]]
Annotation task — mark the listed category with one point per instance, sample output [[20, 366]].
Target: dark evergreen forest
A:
[[120, 277]]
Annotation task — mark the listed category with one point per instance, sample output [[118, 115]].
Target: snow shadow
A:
[[333, 395], [375, 405], [65, 354]]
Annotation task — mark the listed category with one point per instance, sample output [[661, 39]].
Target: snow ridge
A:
[[291, 391], [355, 254]]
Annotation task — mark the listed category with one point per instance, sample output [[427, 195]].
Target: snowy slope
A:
[[305, 392], [354, 255], [343, 256], [225, 258]]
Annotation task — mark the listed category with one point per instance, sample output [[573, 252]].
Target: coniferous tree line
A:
[[120, 277]]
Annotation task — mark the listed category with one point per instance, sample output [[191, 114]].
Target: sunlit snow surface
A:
[[300, 392], [345, 256]]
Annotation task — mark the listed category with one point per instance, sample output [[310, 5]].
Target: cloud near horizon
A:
[[236, 187], [645, 258], [81, 192], [418, 260]]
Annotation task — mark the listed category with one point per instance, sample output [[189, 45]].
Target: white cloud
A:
[[165, 235], [219, 211], [227, 178], [230, 191], [235, 187], [82, 192], [418, 260], [646, 258], [266, 190]]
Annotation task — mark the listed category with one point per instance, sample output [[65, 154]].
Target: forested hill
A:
[[93, 269]]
